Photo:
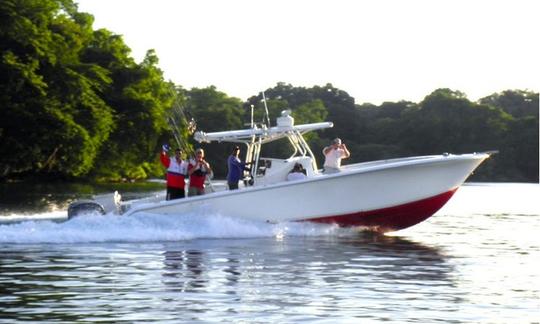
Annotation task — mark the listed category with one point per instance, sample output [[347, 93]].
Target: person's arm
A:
[[327, 149], [191, 169], [236, 163], [245, 166], [207, 166], [184, 168], [165, 160], [346, 152]]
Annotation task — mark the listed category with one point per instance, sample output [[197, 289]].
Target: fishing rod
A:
[[177, 118]]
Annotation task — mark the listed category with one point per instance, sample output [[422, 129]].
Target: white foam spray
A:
[[150, 228]]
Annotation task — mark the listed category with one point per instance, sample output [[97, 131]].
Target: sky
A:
[[375, 50]]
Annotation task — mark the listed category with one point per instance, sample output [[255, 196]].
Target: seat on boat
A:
[[278, 169]]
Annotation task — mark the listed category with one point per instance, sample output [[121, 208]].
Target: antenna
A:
[[252, 125], [266, 109]]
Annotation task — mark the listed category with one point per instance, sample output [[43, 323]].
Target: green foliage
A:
[[454, 124], [310, 112], [518, 160], [72, 100], [517, 103], [53, 119], [215, 111], [141, 99], [73, 103], [309, 105]]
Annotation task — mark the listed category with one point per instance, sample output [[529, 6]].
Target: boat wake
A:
[[93, 228]]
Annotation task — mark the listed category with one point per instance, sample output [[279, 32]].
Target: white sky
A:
[[376, 50]]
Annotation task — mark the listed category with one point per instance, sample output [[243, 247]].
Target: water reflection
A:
[[336, 276], [208, 279], [183, 270], [37, 279], [351, 265], [232, 271], [396, 258], [190, 270]]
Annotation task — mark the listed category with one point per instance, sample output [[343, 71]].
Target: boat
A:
[[381, 196]]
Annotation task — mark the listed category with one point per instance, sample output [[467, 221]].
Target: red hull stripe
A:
[[391, 218]]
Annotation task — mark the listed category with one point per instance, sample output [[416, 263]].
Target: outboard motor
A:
[[81, 207]]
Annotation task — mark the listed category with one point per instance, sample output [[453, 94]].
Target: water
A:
[[475, 261]]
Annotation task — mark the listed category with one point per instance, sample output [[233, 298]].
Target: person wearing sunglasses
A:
[[198, 168]]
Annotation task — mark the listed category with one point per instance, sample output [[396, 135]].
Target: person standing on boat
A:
[[176, 172], [236, 169], [198, 168], [333, 155]]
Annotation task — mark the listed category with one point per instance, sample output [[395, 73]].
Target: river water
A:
[[475, 261]]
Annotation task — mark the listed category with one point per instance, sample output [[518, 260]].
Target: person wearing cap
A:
[[236, 168], [176, 172], [198, 168], [333, 155]]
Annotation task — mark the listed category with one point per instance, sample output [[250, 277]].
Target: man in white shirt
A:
[[333, 155]]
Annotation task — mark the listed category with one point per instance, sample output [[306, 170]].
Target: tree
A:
[[519, 152], [72, 100], [215, 111], [73, 103], [518, 103], [447, 121], [141, 100], [518, 160], [52, 118]]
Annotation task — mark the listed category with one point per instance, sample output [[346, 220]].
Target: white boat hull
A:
[[381, 196]]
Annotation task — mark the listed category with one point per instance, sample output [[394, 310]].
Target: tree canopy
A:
[[72, 100], [74, 104]]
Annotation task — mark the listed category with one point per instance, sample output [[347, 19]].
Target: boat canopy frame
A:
[[256, 136]]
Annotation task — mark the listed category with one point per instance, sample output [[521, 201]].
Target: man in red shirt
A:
[[197, 171], [176, 173]]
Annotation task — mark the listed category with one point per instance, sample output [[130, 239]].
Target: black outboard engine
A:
[[81, 207]]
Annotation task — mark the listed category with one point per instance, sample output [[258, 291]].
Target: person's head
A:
[[298, 167], [235, 150], [199, 154], [336, 142], [178, 153]]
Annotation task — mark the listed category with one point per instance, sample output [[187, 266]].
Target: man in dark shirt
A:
[[236, 169]]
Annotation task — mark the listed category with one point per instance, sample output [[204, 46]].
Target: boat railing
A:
[[386, 161]]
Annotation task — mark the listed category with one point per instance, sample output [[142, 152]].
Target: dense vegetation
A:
[[74, 104]]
